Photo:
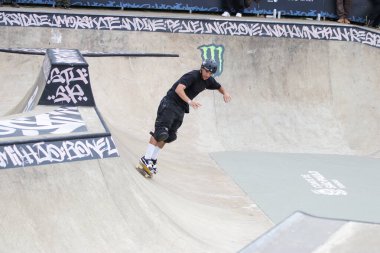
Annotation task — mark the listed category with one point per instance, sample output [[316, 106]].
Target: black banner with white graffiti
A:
[[192, 26], [42, 153], [67, 86], [67, 79]]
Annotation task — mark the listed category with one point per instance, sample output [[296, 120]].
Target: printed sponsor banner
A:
[[67, 80], [67, 86], [41, 153], [188, 26]]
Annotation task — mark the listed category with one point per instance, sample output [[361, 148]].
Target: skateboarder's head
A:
[[210, 65], [208, 68]]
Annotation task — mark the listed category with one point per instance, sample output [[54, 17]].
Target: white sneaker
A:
[[226, 14], [147, 163], [238, 15]]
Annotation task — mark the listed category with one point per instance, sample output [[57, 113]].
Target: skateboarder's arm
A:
[[180, 90], [226, 95]]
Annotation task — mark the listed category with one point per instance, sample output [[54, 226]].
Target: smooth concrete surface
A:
[[301, 232], [288, 96], [332, 186]]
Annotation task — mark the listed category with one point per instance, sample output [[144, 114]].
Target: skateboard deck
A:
[[144, 171]]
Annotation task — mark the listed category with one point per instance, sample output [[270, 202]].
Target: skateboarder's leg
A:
[[169, 119]]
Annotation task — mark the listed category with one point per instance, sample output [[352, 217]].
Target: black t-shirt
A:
[[194, 85]]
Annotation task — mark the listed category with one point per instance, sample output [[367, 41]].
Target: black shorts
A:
[[169, 116]]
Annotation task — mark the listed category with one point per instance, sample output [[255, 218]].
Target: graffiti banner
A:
[[225, 27], [67, 79], [40, 153]]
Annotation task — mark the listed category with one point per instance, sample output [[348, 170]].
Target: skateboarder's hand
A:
[[194, 104], [226, 97]]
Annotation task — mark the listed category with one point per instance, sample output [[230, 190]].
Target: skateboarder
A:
[[175, 104]]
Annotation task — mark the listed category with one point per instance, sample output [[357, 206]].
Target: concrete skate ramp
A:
[[107, 206], [288, 95]]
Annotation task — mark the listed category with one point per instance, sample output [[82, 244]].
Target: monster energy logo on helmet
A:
[[213, 52]]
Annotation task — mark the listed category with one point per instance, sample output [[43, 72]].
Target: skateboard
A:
[[144, 170]]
